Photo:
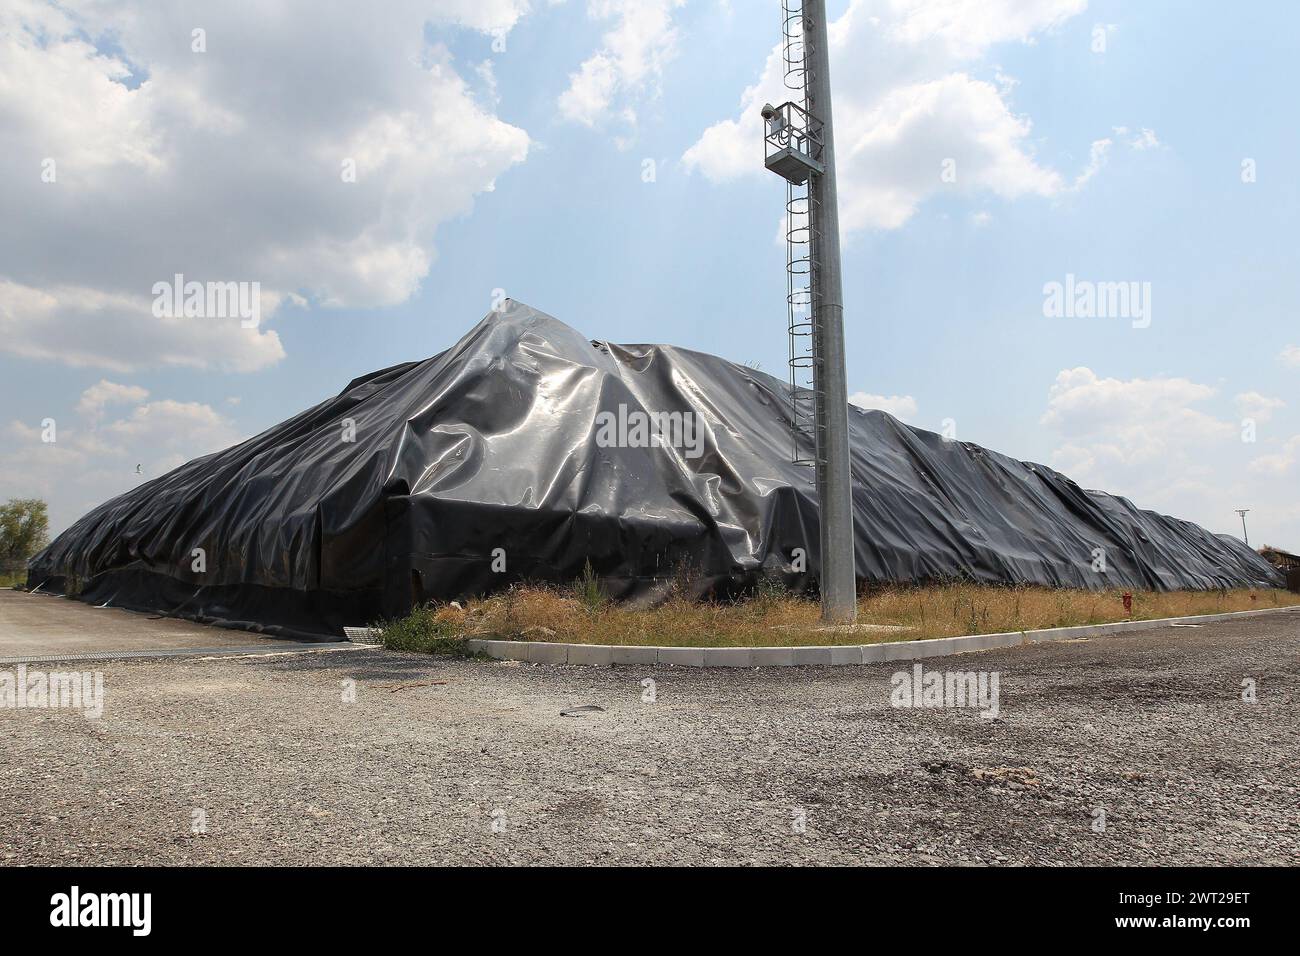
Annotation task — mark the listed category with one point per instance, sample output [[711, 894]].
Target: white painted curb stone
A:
[[541, 652]]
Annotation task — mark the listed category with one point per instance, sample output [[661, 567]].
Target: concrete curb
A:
[[538, 652]]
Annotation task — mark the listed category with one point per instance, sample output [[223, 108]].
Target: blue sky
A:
[[944, 288]]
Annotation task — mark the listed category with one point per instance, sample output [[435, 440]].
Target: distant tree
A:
[[24, 530]]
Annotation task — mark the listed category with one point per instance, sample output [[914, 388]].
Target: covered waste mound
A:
[[525, 452]]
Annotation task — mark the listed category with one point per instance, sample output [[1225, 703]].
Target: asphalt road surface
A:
[[47, 624], [1133, 749]]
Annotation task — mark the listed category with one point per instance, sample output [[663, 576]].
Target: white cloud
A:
[[489, 16], [1145, 139], [904, 103], [1141, 438], [90, 462], [1082, 403], [1290, 356], [628, 65], [487, 76], [104, 393], [1158, 442], [1098, 153], [1141, 141], [1281, 463], [169, 424], [902, 407], [89, 327], [226, 165], [1258, 407]]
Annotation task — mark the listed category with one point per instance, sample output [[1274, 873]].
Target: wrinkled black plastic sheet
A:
[[487, 465]]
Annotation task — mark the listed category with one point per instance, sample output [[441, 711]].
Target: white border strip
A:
[[541, 652]]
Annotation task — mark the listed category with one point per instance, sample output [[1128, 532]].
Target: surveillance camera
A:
[[768, 111]]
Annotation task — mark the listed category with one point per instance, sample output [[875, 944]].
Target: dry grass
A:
[[580, 615]]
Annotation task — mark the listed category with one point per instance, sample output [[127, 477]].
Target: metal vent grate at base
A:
[[364, 635]]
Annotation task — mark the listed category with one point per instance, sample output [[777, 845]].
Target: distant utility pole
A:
[[1243, 512], [800, 146]]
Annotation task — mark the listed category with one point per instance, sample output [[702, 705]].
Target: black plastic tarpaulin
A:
[[526, 451]]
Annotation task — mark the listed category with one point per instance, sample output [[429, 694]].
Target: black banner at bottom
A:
[[335, 905]]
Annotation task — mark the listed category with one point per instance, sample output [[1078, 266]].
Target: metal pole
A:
[[834, 481], [1243, 512]]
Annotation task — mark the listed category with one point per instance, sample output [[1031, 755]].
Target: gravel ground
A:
[[718, 769]]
